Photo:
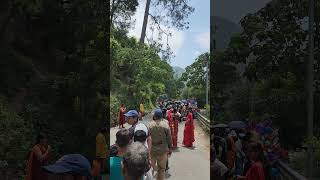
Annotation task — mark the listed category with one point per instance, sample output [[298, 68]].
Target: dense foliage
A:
[[138, 74], [273, 48], [196, 78], [53, 77], [141, 72]]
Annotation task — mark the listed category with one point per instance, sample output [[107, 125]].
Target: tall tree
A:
[[122, 11], [177, 11], [195, 78]]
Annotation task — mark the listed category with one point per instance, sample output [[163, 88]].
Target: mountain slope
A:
[[178, 71], [225, 29]]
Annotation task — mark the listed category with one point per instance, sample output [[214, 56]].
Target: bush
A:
[[114, 109], [16, 138]]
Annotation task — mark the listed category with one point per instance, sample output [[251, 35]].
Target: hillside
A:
[[178, 71], [224, 31]]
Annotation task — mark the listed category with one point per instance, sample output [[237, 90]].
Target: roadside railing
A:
[[288, 173], [204, 121]]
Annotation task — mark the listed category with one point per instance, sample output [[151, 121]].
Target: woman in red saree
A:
[[174, 123], [169, 114], [38, 157], [121, 116], [188, 133]]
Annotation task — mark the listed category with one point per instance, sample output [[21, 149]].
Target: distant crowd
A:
[[249, 153]]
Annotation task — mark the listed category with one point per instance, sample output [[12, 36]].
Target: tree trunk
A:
[[145, 22]]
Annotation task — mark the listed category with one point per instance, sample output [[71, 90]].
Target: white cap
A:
[[142, 127]]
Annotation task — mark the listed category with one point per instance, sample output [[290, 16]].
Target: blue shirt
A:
[[116, 168]]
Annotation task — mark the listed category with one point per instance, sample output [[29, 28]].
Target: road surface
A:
[[184, 163]]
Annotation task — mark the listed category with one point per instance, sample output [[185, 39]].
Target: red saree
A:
[[174, 123], [256, 172], [121, 116], [188, 133], [169, 115], [34, 171]]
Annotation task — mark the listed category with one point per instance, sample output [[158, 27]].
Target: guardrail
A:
[[204, 121], [289, 173]]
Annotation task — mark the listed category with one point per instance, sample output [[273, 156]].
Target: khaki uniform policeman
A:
[[161, 143]]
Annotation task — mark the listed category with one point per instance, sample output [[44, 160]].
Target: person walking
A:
[[123, 139], [122, 110], [38, 156], [101, 150], [169, 113], [188, 133], [161, 144], [142, 109], [133, 119], [167, 165], [140, 135], [136, 162], [174, 125]]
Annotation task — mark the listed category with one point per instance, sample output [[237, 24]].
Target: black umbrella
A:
[[220, 126], [237, 124]]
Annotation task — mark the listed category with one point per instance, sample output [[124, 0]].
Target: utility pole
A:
[[310, 75], [145, 22]]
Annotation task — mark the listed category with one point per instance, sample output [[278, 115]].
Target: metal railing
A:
[[289, 173], [204, 121]]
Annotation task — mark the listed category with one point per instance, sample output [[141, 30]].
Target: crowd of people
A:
[[140, 152], [159, 138], [249, 153]]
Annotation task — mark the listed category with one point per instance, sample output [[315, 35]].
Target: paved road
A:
[[185, 163]]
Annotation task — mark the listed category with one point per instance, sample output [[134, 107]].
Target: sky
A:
[[188, 44], [234, 10]]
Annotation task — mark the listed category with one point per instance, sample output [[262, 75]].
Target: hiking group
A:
[[159, 138]]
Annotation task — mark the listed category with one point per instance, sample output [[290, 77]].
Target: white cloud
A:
[[197, 53], [203, 40], [175, 41]]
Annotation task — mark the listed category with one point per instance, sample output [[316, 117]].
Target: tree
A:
[[122, 11], [195, 78], [273, 48], [178, 11], [138, 73], [53, 74]]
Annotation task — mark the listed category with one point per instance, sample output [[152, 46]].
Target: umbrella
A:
[[220, 126], [237, 124]]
